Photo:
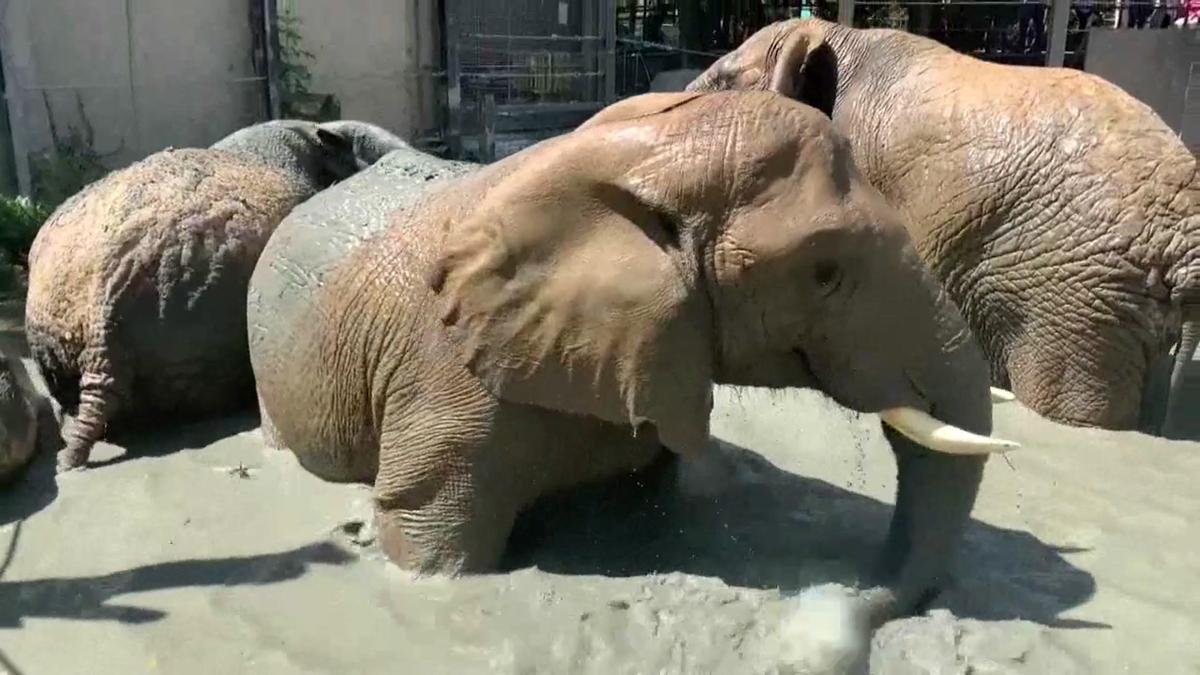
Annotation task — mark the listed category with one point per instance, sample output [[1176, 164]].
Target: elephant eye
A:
[[828, 276]]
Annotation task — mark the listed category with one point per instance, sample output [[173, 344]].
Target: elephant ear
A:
[[639, 106], [568, 292], [806, 70]]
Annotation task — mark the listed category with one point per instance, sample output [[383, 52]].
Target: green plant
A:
[[892, 15], [70, 165], [20, 218], [297, 101]]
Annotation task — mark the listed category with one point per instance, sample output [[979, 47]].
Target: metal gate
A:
[[524, 70]]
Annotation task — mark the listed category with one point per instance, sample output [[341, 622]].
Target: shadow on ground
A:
[[36, 487], [161, 440], [89, 598], [775, 529]]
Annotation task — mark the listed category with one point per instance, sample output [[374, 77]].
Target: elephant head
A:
[[369, 142], [320, 154], [677, 240], [794, 58]]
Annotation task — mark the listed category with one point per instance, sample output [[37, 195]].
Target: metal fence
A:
[[523, 70]]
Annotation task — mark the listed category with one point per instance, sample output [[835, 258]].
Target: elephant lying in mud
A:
[[1062, 215], [562, 315], [137, 285]]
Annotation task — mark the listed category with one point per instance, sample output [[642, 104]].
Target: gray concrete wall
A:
[[379, 57], [1159, 67], [148, 74], [145, 73]]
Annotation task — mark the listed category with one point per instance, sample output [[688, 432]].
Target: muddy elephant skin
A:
[[137, 285], [1062, 214], [561, 316]]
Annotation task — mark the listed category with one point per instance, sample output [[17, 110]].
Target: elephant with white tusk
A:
[[562, 315], [1061, 213]]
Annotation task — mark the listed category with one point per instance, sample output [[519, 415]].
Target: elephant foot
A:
[[427, 542], [72, 459]]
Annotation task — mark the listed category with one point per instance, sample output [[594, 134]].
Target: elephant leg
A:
[[1096, 382], [1177, 395], [270, 434], [440, 524], [448, 505], [103, 390], [934, 498], [1153, 412]]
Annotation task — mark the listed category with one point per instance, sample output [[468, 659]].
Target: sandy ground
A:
[[198, 550]]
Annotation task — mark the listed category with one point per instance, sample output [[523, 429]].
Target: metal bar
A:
[[1060, 12], [487, 122], [8, 174], [591, 56], [846, 12], [125, 85], [540, 38], [271, 32], [526, 75], [666, 47], [608, 18], [453, 84]]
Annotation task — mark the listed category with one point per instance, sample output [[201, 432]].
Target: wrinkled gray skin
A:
[[319, 154], [18, 418], [421, 401], [166, 269], [1062, 215], [319, 232], [371, 143]]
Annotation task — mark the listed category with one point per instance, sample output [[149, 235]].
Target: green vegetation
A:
[[55, 176], [20, 218], [298, 102], [893, 15], [65, 170]]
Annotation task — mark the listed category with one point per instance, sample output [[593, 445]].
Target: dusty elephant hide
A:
[[560, 317], [318, 234], [1060, 213], [136, 286]]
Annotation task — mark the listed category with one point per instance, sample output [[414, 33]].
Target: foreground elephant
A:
[[137, 285], [560, 316], [1062, 215]]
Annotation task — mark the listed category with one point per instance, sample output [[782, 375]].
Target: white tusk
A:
[[936, 435], [1002, 396]]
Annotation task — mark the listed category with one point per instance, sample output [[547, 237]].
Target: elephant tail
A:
[[1189, 336]]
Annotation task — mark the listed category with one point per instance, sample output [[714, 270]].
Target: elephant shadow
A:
[[772, 529], [92, 598], [158, 440]]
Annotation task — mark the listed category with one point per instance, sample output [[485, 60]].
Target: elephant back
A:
[[320, 233]]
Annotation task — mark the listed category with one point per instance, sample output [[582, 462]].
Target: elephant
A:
[[18, 418], [1059, 212], [561, 316], [137, 284]]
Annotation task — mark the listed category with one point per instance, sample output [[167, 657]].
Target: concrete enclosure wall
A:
[[146, 74], [380, 58], [1161, 68], [141, 74]]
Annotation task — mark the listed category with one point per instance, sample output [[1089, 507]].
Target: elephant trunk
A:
[[1184, 353], [935, 491]]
